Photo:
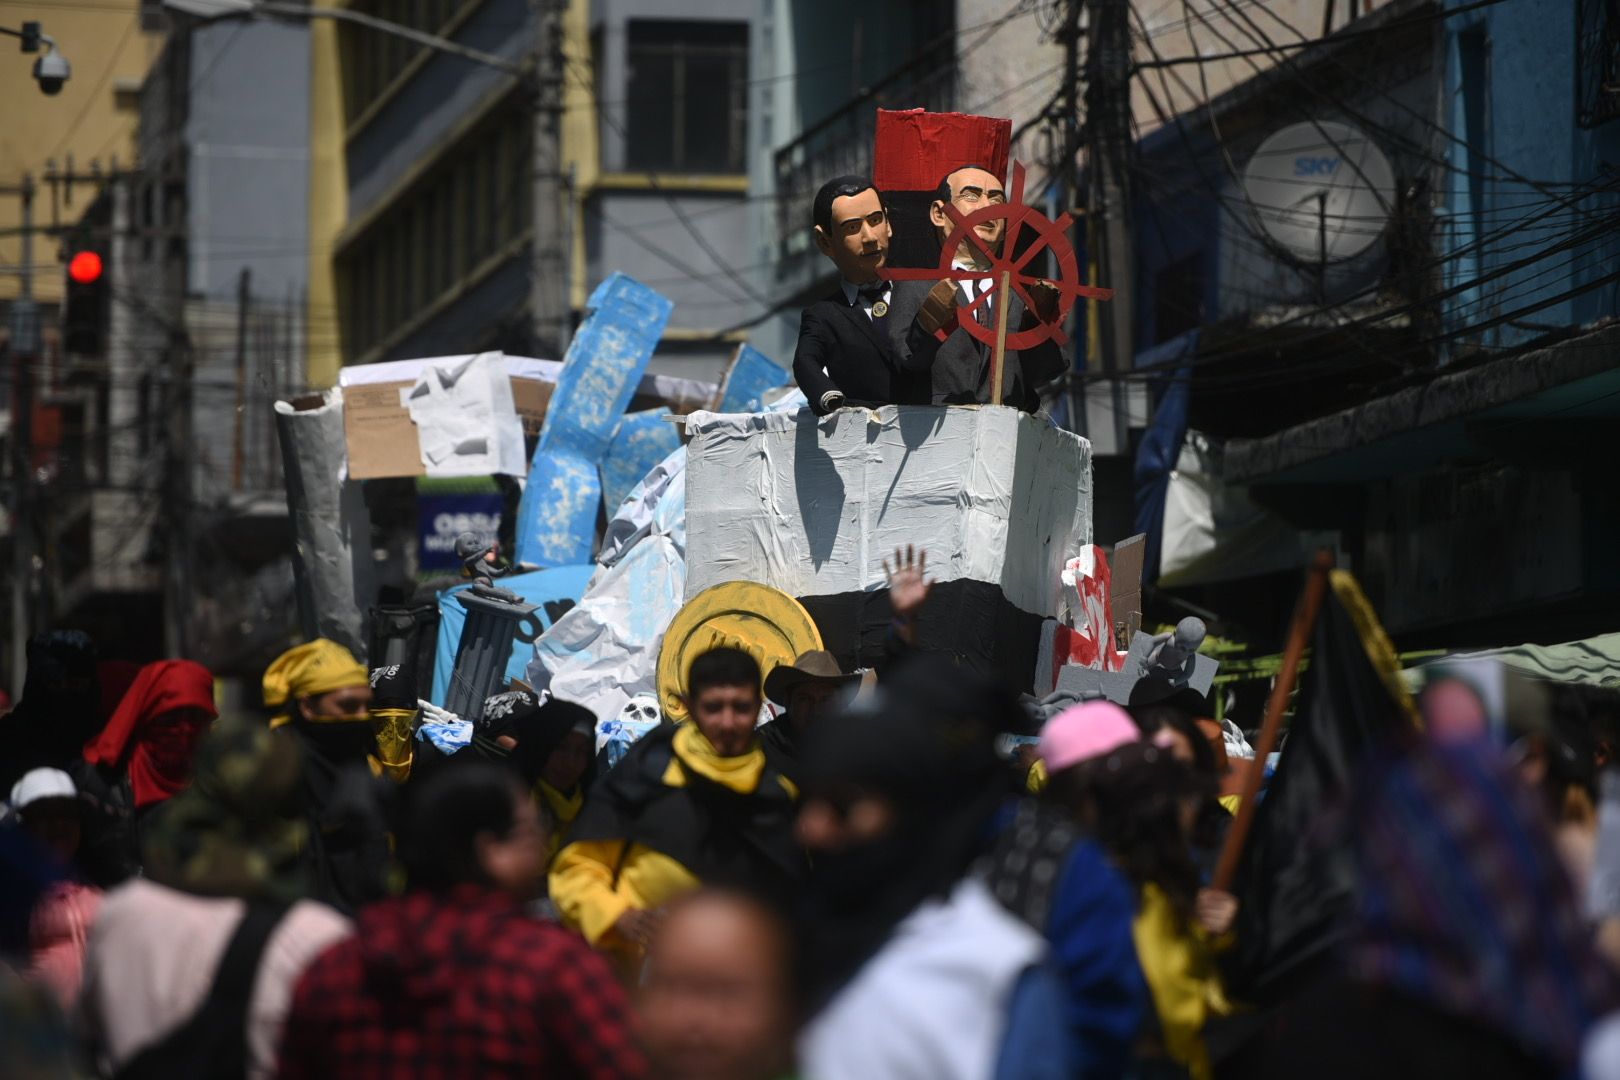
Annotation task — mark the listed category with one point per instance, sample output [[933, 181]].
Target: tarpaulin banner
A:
[[554, 592], [444, 517]]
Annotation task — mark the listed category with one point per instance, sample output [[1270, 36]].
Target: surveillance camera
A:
[[51, 71]]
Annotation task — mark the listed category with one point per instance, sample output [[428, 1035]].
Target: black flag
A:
[[1294, 882]]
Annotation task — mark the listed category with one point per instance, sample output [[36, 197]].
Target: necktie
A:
[[982, 312]]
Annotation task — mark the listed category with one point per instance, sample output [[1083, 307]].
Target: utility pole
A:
[[1108, 115], [24, 355], [1067, 142], [548, 282], [178, 465], [244, 285]]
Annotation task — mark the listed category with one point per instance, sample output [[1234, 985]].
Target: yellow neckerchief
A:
[[565, 808], [741, 773]]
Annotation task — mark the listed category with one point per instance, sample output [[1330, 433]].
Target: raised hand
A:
[[908, 582]]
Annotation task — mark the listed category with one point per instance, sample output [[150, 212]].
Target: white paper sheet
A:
[[466, 418]]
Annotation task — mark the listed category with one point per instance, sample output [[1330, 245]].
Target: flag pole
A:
[[1299, 635], [998, 359]]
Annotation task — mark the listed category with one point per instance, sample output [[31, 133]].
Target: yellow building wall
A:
[[581, 149], [92, 120], [328, 189], [328, 204]]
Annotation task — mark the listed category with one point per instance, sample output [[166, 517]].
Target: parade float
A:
[[734, 514]]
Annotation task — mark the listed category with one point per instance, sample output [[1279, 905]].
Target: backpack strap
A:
[[213, 1042]]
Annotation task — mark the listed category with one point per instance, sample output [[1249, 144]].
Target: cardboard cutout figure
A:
[[924, 327], [845, 354]]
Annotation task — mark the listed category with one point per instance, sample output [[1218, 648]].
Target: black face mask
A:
[[859, 894], [860, 878], [339, 743]]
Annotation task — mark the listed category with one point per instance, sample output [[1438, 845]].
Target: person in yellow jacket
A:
[[564, 776], [690, 804]]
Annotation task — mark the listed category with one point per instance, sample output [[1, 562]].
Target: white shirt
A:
[[853, 297], [152, 959], [972, 288], [932, 1004]]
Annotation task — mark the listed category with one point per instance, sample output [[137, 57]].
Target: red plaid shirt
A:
[[459, 985]]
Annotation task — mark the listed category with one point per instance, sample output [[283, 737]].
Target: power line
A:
[[1305, 42], [1259, 37], [95, 91]]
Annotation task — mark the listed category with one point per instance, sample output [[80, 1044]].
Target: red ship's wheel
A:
[[1050, 234]]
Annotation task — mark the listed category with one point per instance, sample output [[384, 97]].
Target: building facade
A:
[[1437, 401], [422, 177], [165, 506]]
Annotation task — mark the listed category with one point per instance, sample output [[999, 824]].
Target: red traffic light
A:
[[85, 267]]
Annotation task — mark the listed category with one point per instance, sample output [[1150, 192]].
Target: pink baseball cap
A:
[[1085, 731]]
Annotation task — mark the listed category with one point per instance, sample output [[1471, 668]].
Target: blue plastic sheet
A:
[[1161, 447], [554, 592]]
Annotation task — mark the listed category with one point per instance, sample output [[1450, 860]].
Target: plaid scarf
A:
[[1462, 902]]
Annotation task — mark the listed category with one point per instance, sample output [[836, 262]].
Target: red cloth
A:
[[916, 149], [159, 763], [463, 984]]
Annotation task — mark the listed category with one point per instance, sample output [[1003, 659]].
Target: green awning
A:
[[1594, 661]]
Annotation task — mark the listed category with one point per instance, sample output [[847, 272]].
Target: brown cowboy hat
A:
[[815, 666]]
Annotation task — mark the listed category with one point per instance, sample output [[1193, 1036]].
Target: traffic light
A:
[[84, 308]]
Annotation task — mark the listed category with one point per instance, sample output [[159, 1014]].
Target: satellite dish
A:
[[1321, 190]]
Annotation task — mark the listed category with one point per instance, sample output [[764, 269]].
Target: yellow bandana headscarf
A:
[[319, 667]]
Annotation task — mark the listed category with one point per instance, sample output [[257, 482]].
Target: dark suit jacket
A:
[[841, 349], [960, 365]]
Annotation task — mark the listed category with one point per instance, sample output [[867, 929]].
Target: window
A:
[[1597, 62], [373, 59], [687, 106], [448, 226]]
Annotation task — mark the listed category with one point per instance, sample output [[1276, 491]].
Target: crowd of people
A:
[[873, 884]]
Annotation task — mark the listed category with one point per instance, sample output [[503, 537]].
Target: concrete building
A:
[[421, 167], [167, 509], [1438, 403], [89, 124]]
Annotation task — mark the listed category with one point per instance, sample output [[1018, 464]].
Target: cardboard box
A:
[[382, 439]]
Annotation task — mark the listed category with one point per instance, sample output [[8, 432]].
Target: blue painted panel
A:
[[642, 441], [557, 517], [752, 375], [604, 363]]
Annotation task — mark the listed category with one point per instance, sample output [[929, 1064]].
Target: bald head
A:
[[716, 999], [968, 189]]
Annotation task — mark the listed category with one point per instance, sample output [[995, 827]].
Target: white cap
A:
[[37, 784]]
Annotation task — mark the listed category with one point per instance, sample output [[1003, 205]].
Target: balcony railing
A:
[[842, 143]]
